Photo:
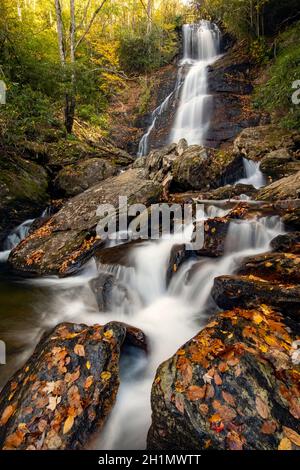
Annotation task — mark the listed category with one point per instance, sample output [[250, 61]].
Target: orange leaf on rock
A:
[[228, 398], [88, 382], [269, 427], [79, 350], [292, 435], [196, 393], [262, 408], [7, 413]]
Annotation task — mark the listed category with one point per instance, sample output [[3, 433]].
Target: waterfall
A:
[[201, 45], [253, 174], [144, 142]]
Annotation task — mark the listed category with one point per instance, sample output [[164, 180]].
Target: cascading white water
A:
[[144, 142], [201, 48], [12, 240], [253, 174]]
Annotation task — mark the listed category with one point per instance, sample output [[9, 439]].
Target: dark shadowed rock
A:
[[249, 291], [232, 387], [110, 292], [282, 267], [289, 243], [65, 391], [179, 254], [23, 191], [74, 179], [69, 238]]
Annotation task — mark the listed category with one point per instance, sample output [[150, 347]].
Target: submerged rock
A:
[[66, 390], [23, 191], [69, 238], [74, 179], [234, 386]]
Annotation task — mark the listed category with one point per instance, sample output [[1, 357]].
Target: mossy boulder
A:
[[256, 142], [74, 179], [23, 190]]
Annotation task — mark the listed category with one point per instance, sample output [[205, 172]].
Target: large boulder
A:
[[192, 167], [255, 143], [23, 191], [74, 179], [200, 168], [283, 267], [288, 243], [279, 163], [69, 237], [251, 290], [285, 188], [234, 386], [66, 390]]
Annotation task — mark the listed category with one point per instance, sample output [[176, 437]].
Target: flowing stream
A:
[[168, 314]]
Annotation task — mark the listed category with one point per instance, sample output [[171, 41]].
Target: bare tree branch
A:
[[96, 12]]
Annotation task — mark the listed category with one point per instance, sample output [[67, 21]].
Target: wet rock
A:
[[250, 291], [292, 218], [232, 387], [214, 236], [23, 191], [74, 179], [289, 243], [256, 142], [179, 254], [229, 80], [282, 267], [109, 292], [279, 163], [285, 188], [65, 391], [69, 238], [229, 192]]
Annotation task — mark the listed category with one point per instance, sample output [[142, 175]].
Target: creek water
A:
[[169, 314]]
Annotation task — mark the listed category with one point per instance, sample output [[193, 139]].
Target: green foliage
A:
[[276, 93], [141, 52]]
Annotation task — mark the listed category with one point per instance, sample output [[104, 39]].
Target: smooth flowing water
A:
[[201, 48], [169, 314]]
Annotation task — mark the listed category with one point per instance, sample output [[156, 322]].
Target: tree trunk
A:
[[70, 97], [149, 16]]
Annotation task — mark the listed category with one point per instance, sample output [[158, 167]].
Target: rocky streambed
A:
[[214, 331]]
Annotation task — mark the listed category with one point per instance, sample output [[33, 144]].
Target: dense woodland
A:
[[65, 59]]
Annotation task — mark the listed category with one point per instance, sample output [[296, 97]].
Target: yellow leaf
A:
[[105, 375], [285, 444], [88, 365], [257, 318], [109, 334], [180, 352], [68, 424]]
